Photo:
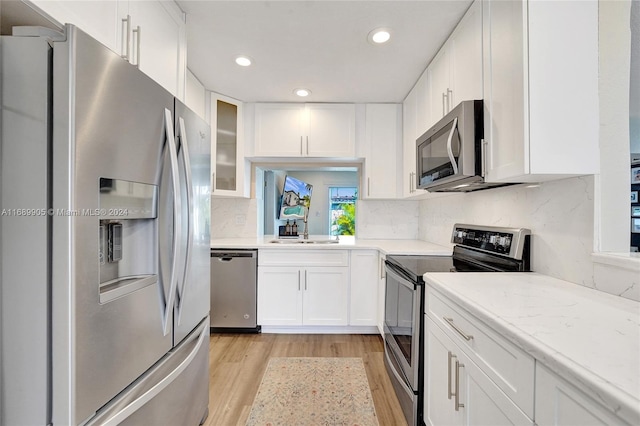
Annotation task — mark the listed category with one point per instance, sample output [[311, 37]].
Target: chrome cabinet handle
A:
[[449, 99], [368, 187], [444, 112], [457, 394], [449, 149], [484, 157], [307, 145], [137, 32], [449, 391], [466, 337], [298, 280], [301, 153], [305, 280], [126, 29], [213, 181]]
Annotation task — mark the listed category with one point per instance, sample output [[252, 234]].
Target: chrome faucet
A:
[[306, 227]]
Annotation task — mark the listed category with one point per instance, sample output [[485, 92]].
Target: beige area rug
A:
[[314, 391]]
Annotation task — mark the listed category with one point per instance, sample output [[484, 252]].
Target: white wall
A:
[[195, 95], [234, 218]]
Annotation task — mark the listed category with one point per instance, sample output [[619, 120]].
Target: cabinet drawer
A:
[[303, 257], [507, 365]]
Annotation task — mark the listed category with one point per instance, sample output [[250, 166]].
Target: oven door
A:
[[402, 324]]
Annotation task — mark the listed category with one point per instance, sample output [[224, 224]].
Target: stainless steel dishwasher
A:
[[234, 291]]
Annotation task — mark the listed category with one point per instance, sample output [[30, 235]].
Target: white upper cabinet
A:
[[158, 43], [305, 130], [383, 135], [228, 166], [99, 19], [455, 74], [409, 108], [540, 89], [149, 34]]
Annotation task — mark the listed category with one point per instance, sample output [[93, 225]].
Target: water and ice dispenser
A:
[[128, 237]]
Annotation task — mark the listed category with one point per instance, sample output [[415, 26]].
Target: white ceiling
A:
[[318, 45]]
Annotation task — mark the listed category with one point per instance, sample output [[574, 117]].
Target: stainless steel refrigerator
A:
[[105, 239]]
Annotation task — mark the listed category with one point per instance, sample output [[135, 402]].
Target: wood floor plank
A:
[[238, 362]]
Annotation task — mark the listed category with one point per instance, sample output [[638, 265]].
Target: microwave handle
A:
[[449, 150]]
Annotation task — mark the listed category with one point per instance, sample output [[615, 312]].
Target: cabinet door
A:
[[363, 304], [99, 19], [458, 392], [278, 130], [158, 43], [382, 121], [466, 57], [409, 108], [439, 81], [504, 89], [559, 403], [438, 381], [330, 130], [382, 284], [424, 116], [325, 300], [279, 295], [227, 159]]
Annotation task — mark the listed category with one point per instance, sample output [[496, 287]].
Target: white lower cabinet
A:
[[363, 301], [303, 287], [289, 295], [457, 391], [559, 403]]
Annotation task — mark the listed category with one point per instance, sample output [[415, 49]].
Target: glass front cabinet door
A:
[[227, 150]]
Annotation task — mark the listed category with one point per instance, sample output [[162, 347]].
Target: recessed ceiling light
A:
[[379, 35], [243, 61], [302, 92]]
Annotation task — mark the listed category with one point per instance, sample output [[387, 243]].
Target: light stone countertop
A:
[[406, 247], [590, 338]]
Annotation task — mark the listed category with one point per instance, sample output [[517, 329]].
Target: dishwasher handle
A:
[[228, 256]]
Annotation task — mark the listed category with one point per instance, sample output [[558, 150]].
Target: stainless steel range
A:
[[477, 249]]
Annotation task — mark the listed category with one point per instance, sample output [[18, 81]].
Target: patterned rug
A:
[[314, 391]]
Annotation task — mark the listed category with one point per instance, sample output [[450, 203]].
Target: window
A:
[[342, 210]]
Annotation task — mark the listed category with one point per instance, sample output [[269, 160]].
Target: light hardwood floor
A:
[[238, 361]]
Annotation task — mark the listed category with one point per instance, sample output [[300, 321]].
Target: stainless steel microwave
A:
[[450, 155]]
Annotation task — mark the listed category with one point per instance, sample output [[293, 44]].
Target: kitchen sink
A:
[[285, 241]]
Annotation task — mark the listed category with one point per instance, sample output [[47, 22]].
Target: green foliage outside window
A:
[[346, 223]]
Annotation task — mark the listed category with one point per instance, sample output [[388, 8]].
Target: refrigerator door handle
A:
[[177, 217], [139, 398], [187, 173]]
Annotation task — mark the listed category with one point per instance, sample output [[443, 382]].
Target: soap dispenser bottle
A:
[[294, 228], [287, 229]]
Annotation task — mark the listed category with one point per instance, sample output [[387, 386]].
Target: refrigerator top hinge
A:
[[33, 31]]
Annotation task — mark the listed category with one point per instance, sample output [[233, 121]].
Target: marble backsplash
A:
[[560, 215], [391, 220], [234, 218]]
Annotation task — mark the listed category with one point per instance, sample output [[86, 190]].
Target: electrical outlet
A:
[[241, 219]]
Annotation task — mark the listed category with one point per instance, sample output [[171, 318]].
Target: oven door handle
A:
[[402, 280]]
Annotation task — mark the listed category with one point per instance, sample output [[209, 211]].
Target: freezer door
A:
[[111, 125], [194, 150], [174, 392]]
